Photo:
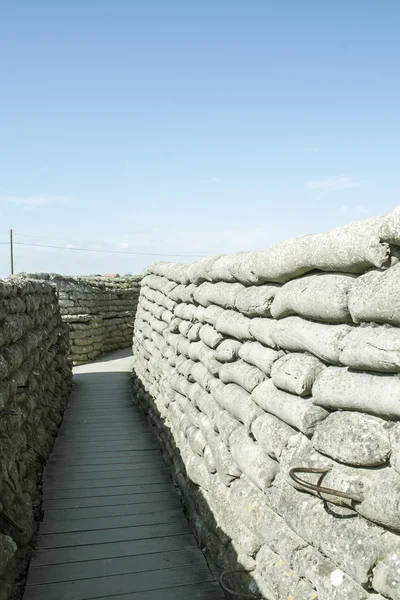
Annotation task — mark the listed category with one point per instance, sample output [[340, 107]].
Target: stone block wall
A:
[[100, 312], [255, 364], [35, 381]]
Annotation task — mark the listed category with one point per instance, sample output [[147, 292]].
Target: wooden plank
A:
[[63, 556], [96, 459], [114, 566], [103, 523], [198, 591], [104, 467], [114, 510], [127, 472], [115, 490], [118, 481], [120, 534], [120, 584], [143, 494]]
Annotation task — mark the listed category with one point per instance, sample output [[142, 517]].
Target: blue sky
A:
[[191, 127]]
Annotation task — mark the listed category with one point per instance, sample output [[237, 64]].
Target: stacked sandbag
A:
[[254, 364], [100, 312], [35, 380]]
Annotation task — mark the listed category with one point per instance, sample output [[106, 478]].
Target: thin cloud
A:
[[122, 245], [330, 185], [31, 203]]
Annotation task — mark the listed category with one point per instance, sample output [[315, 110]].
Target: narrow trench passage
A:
[[113, 523]]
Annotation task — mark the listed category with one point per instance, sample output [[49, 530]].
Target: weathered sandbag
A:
[[390, 228], [226, 424], [395, 444], [176, 293], [262, 331], [174, 325], [275, 579], [330, 582], [195, 467], [354, 438], [255, 463], [272, 434], [210, 336], [322, 297], [258, 355], [196, 440], [386, 575], [199, 270], [228, 350], [245, 375], [297, 335], [194, 332], [377, 490], [296, 373], [255, 301], [236, 401], [233, 324], [221, 294], [338, 388], [297, 412], [209, 460], [204, 402], [185, 311], [185, 327], [187, 293], [373, 349], [201, 375], [373, 297], [162, 284], [227, 468], [206, 356], [352, 544], [211, 313]]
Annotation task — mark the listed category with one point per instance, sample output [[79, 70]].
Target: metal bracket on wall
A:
[[319, 488]]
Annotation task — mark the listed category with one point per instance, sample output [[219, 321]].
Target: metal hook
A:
[[319, 488]]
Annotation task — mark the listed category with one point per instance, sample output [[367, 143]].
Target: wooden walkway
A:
[[113, 524]]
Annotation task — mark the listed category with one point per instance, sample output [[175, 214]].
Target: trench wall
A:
[[35, 380], [253, 364], [99, 311]]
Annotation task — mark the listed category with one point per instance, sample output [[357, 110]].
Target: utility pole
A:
[[11, 252]]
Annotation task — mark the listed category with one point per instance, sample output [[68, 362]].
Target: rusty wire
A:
[[319, 488], [232, 592], [6, 411]]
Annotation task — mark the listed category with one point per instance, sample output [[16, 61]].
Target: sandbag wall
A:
[[254, 364], [99, 311], [35, 380]]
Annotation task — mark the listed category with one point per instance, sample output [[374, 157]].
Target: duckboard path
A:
[[113, 524]]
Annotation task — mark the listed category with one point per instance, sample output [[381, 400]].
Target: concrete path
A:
[[113, 524]]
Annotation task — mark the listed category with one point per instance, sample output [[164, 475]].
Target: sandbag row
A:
[[100, 312], [250, 366], [35, 381]]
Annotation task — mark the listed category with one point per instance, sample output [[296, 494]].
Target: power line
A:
[[109, 251]]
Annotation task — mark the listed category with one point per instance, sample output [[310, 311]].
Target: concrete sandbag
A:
[[272, 434], [210, 336], [374, 295], [373, 349], [245, 375], [258, 355], [354, 438], [226, 424], [386, 576], [354, 545], [228, 350], [211, 313], [262, 331], [220, 294], [194, 332], [296, 373], [234, 325], [297, 335], [185, 311], [390, 228], [340, 389], [395, 444], [236, 401], [255, 463], [201, 375], [204, 402], [297, 412], [255, 301], [322, 297]]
